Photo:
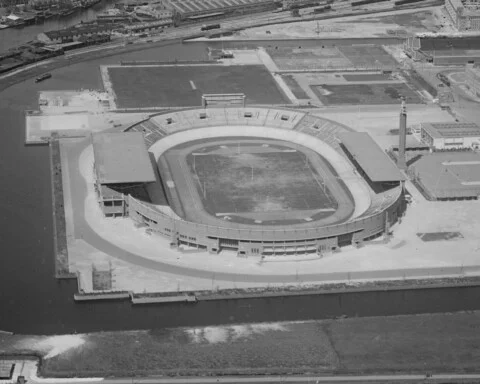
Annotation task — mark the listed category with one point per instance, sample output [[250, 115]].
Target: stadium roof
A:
[[206, 15], [451, 130], [122, 158], [371, 158]]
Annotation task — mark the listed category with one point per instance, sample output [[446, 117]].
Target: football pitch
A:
[[183, 85], [265, 183], [365, 94]]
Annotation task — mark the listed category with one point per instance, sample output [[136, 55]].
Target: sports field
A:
[[365, 94], [368, 56], [288, 58], [183, 85], [261, 183], [343, 56], [366, 77], [297, 90]]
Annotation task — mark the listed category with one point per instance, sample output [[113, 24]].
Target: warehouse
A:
[[448, 136]]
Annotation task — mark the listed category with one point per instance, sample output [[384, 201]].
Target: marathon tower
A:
[[402, 133]]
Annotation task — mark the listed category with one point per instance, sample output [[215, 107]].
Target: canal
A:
[[12, 37]]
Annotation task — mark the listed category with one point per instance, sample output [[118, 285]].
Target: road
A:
[[390, 379]]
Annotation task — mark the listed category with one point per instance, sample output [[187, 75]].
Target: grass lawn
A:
[[364, 94], [365, 77], [422, 343], [246, 349], [413, 344], [308, 58], [297, 90], [176, 86], [61, 250], [368, 56], [252, 181], [409, 344]]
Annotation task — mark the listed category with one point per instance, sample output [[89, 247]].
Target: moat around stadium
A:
[[201, 250]]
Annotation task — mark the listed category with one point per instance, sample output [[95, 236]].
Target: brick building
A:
[[464, 15]]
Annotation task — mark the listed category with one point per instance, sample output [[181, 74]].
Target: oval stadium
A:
[[257, 181]]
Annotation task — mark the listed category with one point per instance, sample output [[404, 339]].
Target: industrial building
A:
[[290, 4], [122, 168], [472, 78], [447, 136], [199, 9], [463, 15], [445, 176], [74, 34], [444, 49]]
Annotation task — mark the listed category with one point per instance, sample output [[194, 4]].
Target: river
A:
[[11, 37], [32, 301]]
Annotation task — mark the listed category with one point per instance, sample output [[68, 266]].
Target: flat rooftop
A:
[[449, 130], [373, 160], [450, 174], [6, 370], [122, 158]]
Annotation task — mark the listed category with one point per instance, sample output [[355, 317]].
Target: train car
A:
[[322, 9], [404, 2], [209, 27], [306, 5], [365, 2]]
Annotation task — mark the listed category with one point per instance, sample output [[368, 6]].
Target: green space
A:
[[183, 85], [400, 344], [296, 89], [289, 58], [368, 56], [366, 77], [60, 234], [247, 178], [365, 94]]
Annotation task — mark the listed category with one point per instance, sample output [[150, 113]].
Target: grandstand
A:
[[325, 130], [378, 202], [123, 168]]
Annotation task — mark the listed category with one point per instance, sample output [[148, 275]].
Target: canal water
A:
[[11, 37], [32, 301]]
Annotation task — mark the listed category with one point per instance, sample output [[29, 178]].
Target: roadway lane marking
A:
[[193, 85]]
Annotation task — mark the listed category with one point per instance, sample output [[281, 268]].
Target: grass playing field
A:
[[297, 90], [365, 94], [288, 58], [368, 56], [181, 86], [266, 181]]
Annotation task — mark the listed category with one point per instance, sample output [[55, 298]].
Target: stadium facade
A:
[[370, 176]]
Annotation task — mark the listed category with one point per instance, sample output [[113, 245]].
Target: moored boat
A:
[[43, 77]]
